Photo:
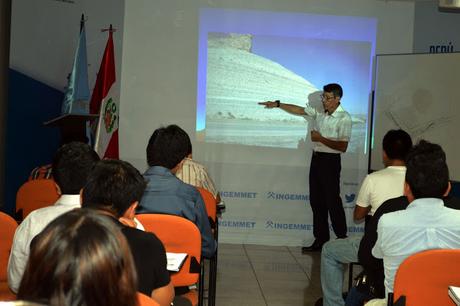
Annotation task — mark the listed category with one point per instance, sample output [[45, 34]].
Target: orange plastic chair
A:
[[211, 208], [35, 194], [423, 278], [210, 203], [146, 300], [7, 228], [179, 235]]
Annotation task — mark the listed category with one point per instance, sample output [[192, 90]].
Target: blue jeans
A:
[[334, 255]]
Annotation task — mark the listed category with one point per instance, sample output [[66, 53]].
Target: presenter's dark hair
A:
[[72, 164], [335, 88], [113, 185], [427, 173], [80, 258], [397, 144], [167, 146]]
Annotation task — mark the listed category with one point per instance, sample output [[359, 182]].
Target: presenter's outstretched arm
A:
[[290, 108]]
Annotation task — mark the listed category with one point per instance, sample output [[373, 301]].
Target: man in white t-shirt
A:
[[387, 183], [375, 189], [72, 164]]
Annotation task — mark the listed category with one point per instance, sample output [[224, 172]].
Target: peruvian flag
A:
[[104, 102]]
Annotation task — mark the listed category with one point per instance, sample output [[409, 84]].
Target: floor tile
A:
[[258, 275], [240, 302]]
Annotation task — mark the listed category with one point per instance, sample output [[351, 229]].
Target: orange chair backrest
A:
[[146, 300], [7, 228], [178, 235], [210, 203], [35, 194], [423, 278]]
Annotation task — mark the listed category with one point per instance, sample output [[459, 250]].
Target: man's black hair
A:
[[427, 173], [168, 146], [113, 185], [334, 88], [72, 164], [397, 144]]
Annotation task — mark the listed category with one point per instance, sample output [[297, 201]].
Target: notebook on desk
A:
[[175, 261], [454, 293]]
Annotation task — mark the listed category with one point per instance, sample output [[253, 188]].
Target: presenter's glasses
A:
[[326, 97]]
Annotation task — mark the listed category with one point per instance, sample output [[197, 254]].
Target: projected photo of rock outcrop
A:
[[237, 79]]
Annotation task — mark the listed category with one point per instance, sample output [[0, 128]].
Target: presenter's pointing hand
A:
[[270, 104]]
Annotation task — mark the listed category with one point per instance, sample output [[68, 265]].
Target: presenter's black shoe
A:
[[319, 302], [315, 247]]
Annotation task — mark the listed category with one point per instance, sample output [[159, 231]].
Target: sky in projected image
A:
[[243, 60]]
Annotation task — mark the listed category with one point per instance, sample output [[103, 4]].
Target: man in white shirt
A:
[[376, 188], [330, 138], [426, 223], [72, 164], [387, 183]]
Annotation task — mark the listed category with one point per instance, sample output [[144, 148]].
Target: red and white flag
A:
[[104, 101]]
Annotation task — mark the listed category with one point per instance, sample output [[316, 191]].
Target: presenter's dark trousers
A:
[[324, 180]]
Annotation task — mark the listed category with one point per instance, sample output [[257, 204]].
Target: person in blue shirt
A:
[[165, 193]]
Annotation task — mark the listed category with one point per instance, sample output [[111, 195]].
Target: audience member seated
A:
[[116, 187], [72, 163], [375, 189], [426, 223], [165, 193], [195, 174], [373, 267], [80, 258], [46, 171]]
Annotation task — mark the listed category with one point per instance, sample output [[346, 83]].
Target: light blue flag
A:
[[76, 99]]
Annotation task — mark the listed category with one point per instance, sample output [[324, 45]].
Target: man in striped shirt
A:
[[195, 174]]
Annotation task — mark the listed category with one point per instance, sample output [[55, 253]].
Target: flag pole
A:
[[82, 22], [98, 130]]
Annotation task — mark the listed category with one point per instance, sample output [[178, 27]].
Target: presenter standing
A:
[[330, 138]]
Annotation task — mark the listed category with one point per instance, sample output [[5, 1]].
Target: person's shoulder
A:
[[187, 189], [48, 212], [38, 219], [136, 235], [391, 205], [193, 162], [342, 112], [396, 214], [388, 173], [393, 219]]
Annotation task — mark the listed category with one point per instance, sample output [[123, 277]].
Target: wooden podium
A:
[[72, 126]]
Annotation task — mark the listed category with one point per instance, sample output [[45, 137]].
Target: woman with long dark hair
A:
[[81, 258]]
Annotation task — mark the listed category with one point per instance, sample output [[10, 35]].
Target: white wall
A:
[[44, 37], [433, 28]]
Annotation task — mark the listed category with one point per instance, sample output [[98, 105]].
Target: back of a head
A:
[[80, 258], [334, 88], [71, 165], [113, 185], [168, 146], [397, 144], [427, 173]]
